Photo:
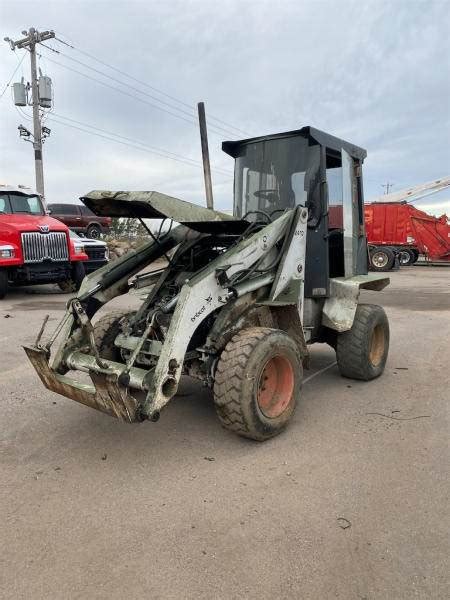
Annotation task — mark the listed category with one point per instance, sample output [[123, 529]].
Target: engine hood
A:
[[89, 242], [155, 205], [21, 222]]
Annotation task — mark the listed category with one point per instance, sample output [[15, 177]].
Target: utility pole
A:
[[205, 155], [29, 42], [388, 185]]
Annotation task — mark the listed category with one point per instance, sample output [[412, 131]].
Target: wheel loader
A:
[[231, 300]]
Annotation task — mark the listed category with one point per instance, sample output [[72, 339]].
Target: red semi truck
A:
[[34, 248], [400, 228]]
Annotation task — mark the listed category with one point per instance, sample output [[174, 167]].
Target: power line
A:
[[162, 93], [153, 149], [23, 113], [12, 76], [160, 151], [163, 151], [388, 185], [182, 111], [50, 48], [125, 93], [135, 144]]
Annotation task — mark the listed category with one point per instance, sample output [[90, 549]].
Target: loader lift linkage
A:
[[241, 297]]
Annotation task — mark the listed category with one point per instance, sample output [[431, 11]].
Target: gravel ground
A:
[[350, 502]]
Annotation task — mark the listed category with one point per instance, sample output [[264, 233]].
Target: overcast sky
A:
[[375, 73]]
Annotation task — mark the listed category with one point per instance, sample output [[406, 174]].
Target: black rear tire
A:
[[93, 231], [362, 351], [106, 329], [382, 259], [415, 254], [406, 257], [3, 283], [257, 382], [73, 284]]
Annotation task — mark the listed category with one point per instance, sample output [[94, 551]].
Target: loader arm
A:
[[111, 281], [205, 292]]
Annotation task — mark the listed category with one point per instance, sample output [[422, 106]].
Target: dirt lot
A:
[[350, 502]]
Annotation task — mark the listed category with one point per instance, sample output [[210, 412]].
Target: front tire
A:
[[362, 351], [73, 284], [93, 231], [106, 329], [3, 283], [257, 382]]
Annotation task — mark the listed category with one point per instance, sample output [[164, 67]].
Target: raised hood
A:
[[154, 205]]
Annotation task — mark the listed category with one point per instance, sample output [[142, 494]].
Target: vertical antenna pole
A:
[[205, 155]]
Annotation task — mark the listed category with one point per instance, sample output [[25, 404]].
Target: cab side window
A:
[[35, 206], [4, 204], [68, 209], [86, 212]]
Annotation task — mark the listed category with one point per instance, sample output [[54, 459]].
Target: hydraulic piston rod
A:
[[135, 378]]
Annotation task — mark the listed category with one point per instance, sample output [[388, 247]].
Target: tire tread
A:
[[351, 345], [230, 374], [105, 332]]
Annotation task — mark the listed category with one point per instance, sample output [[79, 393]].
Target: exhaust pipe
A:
[[205, 155]]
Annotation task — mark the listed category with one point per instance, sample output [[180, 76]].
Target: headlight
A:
[[106, 253], [6, 252], [79, 248]]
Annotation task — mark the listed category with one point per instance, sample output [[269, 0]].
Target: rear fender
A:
[[340, 307]]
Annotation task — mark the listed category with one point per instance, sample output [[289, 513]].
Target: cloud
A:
[[437, 209], [376, 73]]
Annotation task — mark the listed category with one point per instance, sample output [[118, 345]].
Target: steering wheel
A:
[[270, 195]]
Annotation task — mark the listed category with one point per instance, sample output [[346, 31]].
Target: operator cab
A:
[[310, 168]]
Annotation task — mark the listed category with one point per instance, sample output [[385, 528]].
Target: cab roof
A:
[[6, 188], [313, 134]]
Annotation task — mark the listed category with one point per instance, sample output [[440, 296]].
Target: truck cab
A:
[[34, 248]]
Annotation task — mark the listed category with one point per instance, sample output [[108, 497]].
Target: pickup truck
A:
[[35, 248], [80, 219]]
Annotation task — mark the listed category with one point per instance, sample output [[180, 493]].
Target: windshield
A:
[[276, 174], [18, 203]]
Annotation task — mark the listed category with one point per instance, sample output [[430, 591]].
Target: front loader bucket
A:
[[106, 394]]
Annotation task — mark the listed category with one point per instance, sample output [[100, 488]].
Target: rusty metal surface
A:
[[339, 309], [199, 297], [105, 395]]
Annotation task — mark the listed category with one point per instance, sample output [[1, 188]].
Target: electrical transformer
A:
[[20, 94], [45, 91]]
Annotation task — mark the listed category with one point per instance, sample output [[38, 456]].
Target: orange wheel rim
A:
[[275, 386], [377, 346]]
